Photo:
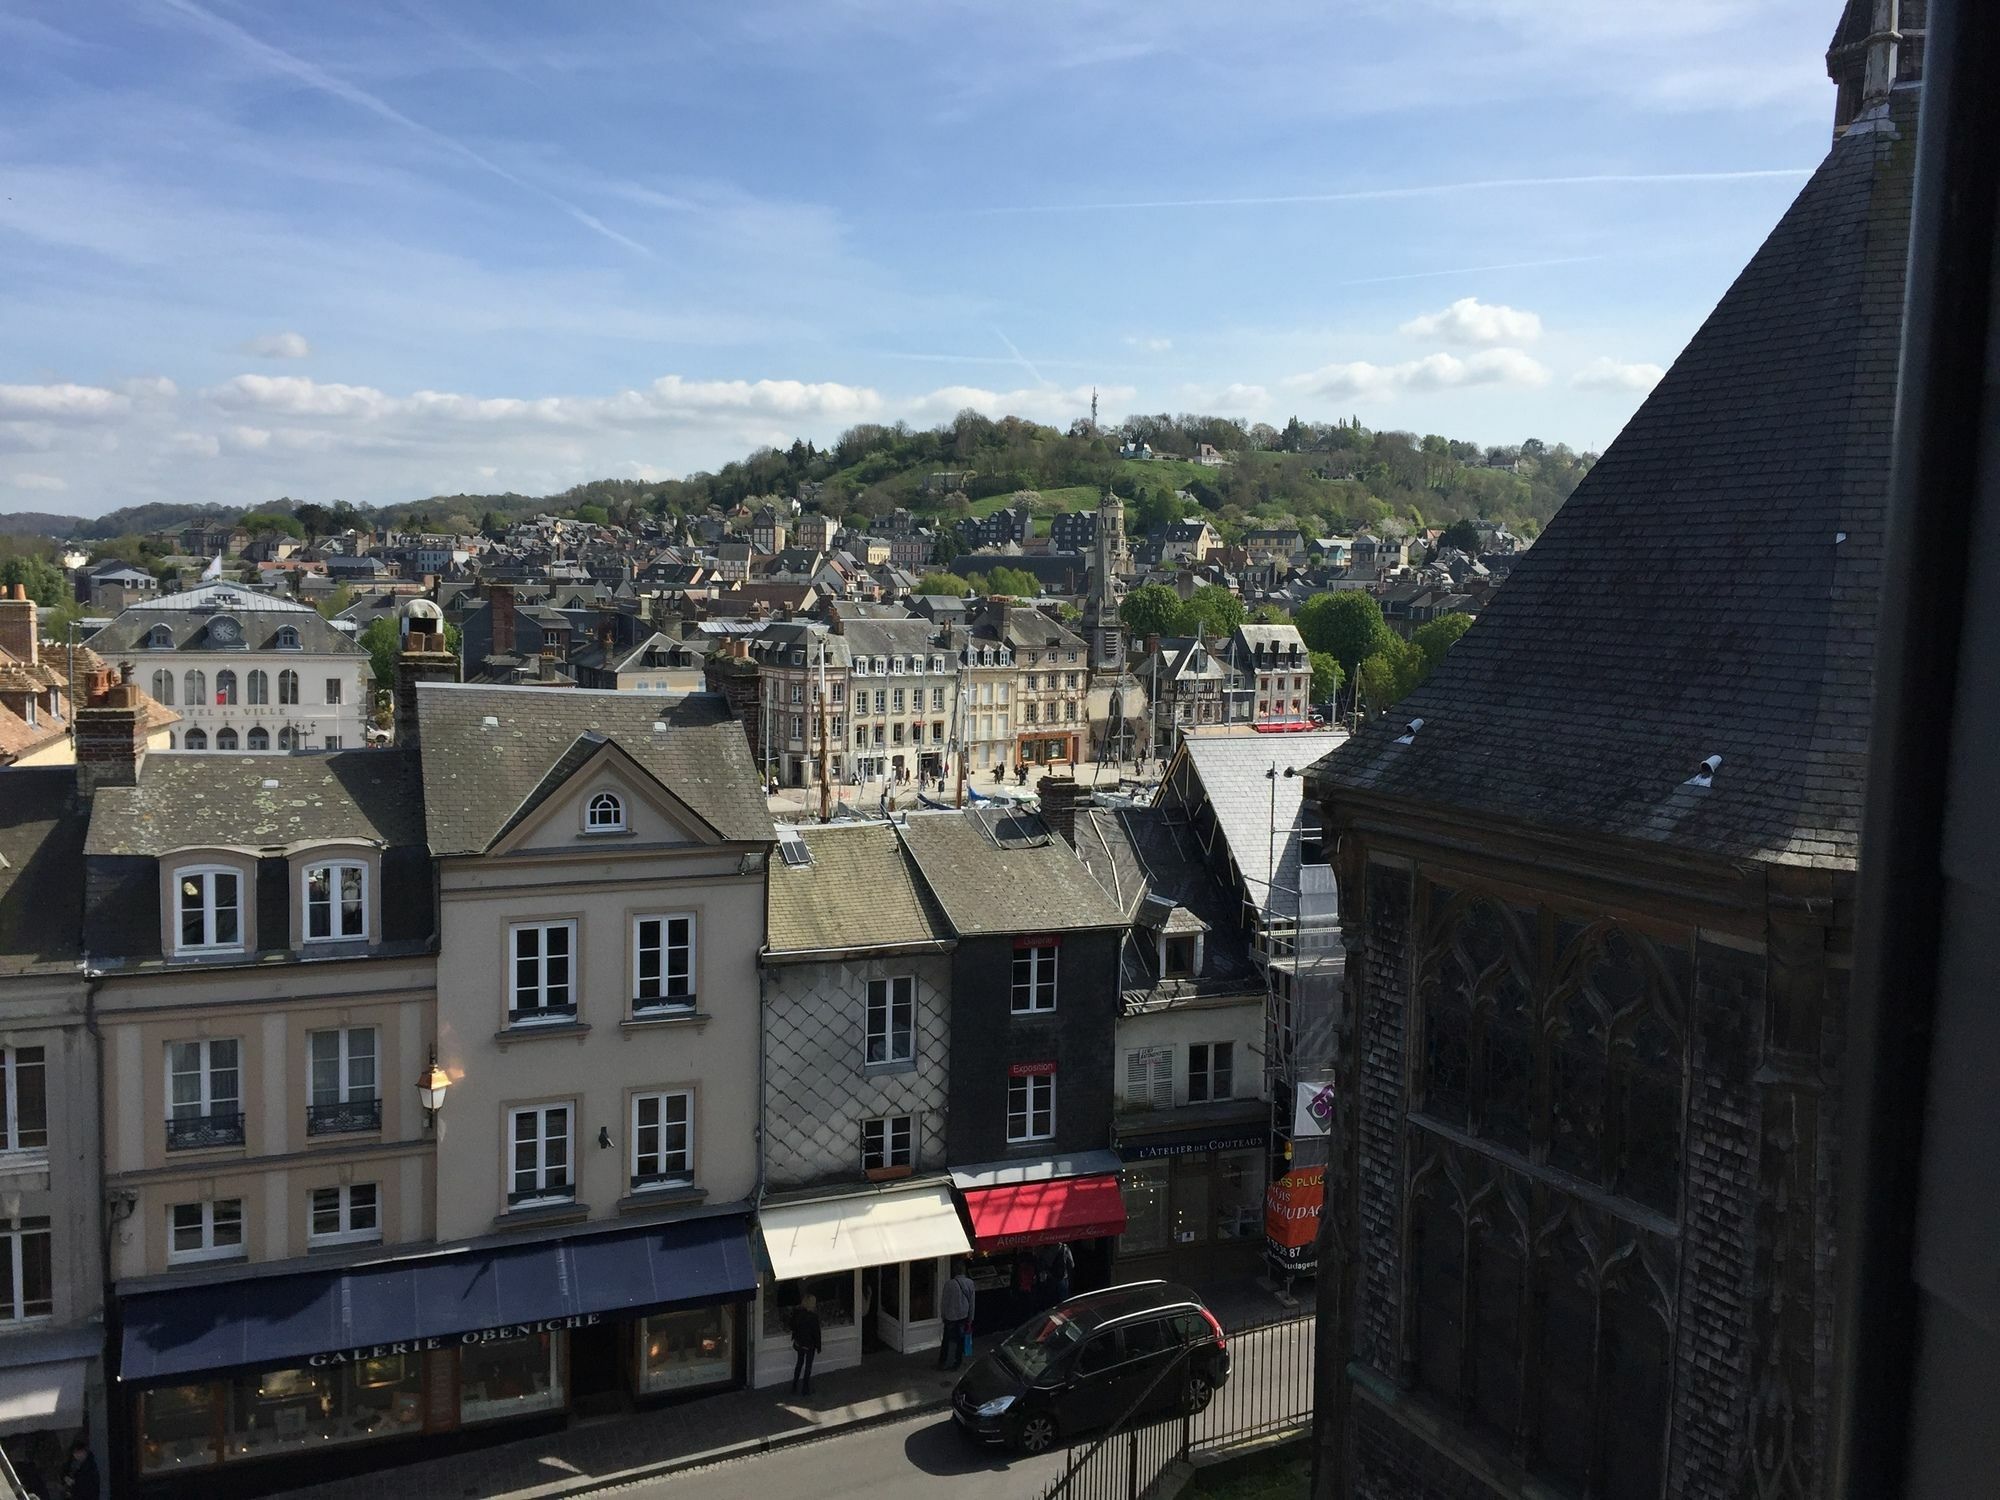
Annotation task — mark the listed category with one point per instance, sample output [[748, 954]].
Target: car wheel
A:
[[1198, 1392], [1038, 1433]]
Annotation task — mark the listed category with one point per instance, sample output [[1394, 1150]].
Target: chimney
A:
[[424, 657], [1060, 795], [732, 673], [500, 604], [110, 733], [19, 637], [1152, 645]]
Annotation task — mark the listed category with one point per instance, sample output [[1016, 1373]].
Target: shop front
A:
[[1193, 1180], [48, 1384], [871, 1260], [229, 1374], [1046, 749], [1024, 1216]]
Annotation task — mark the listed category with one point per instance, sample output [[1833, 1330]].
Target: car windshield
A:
[[1038, 1346]]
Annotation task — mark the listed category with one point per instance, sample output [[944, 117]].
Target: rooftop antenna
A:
[[1093, 408]]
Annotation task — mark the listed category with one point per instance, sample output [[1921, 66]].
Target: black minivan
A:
[[1085, 1362]]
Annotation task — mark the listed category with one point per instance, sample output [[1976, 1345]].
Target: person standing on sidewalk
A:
[[955, 1305], [805, 1344]]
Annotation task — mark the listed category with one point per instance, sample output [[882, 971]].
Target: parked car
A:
[[1085, 1362]]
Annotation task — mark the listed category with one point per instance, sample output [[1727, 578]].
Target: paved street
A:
[[924, 1456]]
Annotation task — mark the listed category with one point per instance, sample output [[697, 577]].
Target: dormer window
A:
[[160, 638], [209, 908], [336, 901], [288, 638], [605, 814], [895, 664]]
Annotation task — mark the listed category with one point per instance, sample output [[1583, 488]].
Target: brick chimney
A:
[[731, 672], [19, 637], [500, 603], [1060, 796], [110, 733], [424, 657]]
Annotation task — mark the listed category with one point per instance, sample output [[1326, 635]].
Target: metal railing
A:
[[201, 1132], [342, 1117], [1269, 1392]]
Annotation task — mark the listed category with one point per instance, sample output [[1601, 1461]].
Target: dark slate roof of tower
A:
[[1710, 587]]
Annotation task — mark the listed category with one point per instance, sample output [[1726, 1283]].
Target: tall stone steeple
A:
[[1100, 615]]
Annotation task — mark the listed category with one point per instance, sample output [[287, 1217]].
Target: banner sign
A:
[[1030, 1069], [435, 1341], [1291, 1218], [1313, 1110]]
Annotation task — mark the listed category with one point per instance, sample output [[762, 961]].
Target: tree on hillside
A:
[[314, 520], [1390, 675], [1463, 535], [1269, 614], [1213, 611], [1013, 582], [1438, 636], [257, 522], [1326, 676], [45, 582], [943, 583], [1150, 609], [1348, 626]]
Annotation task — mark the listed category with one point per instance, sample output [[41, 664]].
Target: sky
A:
[[378, 252]]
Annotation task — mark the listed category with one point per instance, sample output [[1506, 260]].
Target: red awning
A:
[[1042, 1213]]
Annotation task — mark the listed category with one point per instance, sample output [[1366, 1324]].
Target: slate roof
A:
[[860, 891], [188, 617], [1004, 871], [476, 775], [262, 801], [1710, 587], [41, 869], [1230, 768]]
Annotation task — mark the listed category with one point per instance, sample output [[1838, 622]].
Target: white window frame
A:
[[540, 1191], [209, 907], [662, 980], [212, 1246], [204, 1104], [11, 1064], [345, 1210], [601, 803], [337, 871], [885, 1035], [1040, 985], [1029, 1085], [347, 1091], [333, 691], [1207, 1072], [650, 1171], [14, 1234], [541, 1013], [882, 1154]]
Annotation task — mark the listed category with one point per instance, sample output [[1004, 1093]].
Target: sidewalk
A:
[[594, 1453]]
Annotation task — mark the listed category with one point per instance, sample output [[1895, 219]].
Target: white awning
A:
[[867, 1229], [35, 1398]]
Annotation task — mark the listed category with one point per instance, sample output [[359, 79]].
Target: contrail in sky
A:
[[1423, 190], [1023, 360], [280, 61], [1506, 265]]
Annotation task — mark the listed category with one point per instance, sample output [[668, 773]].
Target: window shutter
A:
[[1149, 1077]]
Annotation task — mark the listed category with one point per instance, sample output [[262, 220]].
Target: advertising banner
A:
[[1291, 1218]]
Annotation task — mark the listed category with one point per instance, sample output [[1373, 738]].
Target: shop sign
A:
[[447, 1341], [1241, 1140], [1067, 1234], [1313, 1114], [1030, 1069], [1291, 1218], [1038, 940]]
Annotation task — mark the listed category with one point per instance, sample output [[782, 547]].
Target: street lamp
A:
[[431, 1086]]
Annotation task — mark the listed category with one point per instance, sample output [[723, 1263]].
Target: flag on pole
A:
[[213, 571]]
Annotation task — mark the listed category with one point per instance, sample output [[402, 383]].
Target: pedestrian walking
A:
[[955, 1304], [1062, 1268], [79, 1476], [805, 1344]]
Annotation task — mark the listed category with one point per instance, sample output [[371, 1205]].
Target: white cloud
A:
[[276, 346], [1056, 405], [196, 444], [1151, 345], [1434, 372], [39, 482], [1607, 374], [150, 388], [249, 437], [62, 403], [1470, 321]]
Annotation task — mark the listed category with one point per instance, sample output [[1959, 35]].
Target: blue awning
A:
[[283, 1320]]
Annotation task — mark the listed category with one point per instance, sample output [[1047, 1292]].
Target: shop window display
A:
[[833, 1300], [1239, 1201], [1146, 1208], [509, 1378], [177, 1428], [685, 1350], [923, 1290], [283, 1411]]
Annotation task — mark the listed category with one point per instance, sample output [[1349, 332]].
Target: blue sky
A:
[[380, 251]]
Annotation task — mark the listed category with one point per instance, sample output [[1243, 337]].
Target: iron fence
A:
[[1269, 1392]]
